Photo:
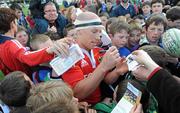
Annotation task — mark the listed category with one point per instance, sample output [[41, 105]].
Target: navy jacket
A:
[[121, 11], [41, 25]]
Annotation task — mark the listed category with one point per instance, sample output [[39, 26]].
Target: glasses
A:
[[50, 11]]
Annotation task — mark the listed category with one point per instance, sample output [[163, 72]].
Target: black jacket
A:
[[166, 90]]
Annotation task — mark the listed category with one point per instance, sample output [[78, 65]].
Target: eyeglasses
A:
[[50, 11]]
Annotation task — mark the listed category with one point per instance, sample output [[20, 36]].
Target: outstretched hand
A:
[[61, 47]]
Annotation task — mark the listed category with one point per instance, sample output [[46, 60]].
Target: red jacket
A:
[[15, 57]]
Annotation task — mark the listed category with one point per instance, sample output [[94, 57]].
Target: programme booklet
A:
[[61, 65], [131, 97]]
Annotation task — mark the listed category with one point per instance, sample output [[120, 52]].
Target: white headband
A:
[[88, 23]]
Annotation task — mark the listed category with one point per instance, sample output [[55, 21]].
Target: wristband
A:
[[152, 73]]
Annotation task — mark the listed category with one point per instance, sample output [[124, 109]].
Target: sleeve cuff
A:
[[153, 72]]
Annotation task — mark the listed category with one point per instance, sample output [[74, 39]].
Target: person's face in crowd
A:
[[89, 38], [120, 38], [134, 37], [22, 37], [146, 9], [73, 14], [104, 20], [108, 5], [174, 24], [154, 32], [157, 8], [50, 13], [18, 13]]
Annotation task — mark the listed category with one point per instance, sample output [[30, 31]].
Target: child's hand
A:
[[61, 47], [137, 109]]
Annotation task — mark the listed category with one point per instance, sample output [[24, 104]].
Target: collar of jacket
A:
[[4, 38]]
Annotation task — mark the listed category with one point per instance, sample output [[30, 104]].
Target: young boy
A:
[[40, 41], [157, 7], [15, 88], [42, 72], [173, 17], [135, 35], [13, 55], [119, 33], [124, 9], [155, 27], [146, 9]]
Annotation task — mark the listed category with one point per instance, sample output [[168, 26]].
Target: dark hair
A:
[[14, 89], [146, 3], [157, 1], [57, 107], [22, 109], [6, 17], [139, 17], [15, 6], [173, 13], [122, 86], [52, 35], [157, 54], [156, 19]]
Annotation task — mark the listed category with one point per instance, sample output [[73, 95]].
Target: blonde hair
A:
[[63, 106], [47, 92], [38, 39], [69, 13], [135, 26]]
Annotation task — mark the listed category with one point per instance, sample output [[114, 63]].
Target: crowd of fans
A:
[[107, 31]]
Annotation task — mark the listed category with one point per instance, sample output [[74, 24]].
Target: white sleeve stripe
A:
[[32, 52], [17, 43]]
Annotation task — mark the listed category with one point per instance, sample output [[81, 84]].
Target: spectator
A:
[[155, 27], [58, 107], [124, 9], [119, 33], [161, 83], [47, 92], [14, 89], [157, 7], [21, 17], [13, 55], [51, 21], [173, 17], [135, 34], [22, 36], [146, 9]]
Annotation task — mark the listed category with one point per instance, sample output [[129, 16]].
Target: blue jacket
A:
[[124, 52], [121, 11], [41, 25]]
